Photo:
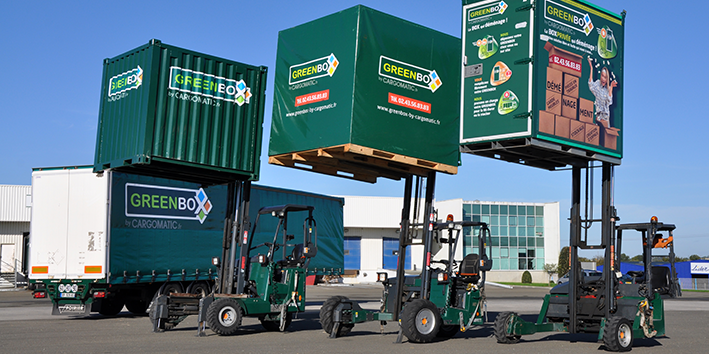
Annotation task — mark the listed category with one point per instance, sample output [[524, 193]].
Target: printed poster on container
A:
[[496, 72], [580, 66]]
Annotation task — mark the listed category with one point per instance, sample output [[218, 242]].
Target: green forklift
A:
[[266, 281], [619, 308], [439, 302]]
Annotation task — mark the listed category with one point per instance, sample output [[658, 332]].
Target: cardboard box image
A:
[[563, 60], [546, 122], [585, 110], [577, 131], [569, 106], [553, 102], [592, 133], [609, 137], [571, 85], [562, 127], [555, 80]]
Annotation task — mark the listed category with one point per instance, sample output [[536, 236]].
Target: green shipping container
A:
[[542, 85], [366, 83], [168, 111]]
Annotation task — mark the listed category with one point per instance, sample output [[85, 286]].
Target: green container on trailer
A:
[[532, 84], [168, 111], [364, 88]]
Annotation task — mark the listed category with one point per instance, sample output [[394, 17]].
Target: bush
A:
[[527, 277]]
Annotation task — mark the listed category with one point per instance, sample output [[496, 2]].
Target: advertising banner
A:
[[552, 71]]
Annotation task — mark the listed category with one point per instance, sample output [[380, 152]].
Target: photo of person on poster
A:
[[603, 90]]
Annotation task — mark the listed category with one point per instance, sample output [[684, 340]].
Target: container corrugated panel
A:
[[13, 203], [172, 112]]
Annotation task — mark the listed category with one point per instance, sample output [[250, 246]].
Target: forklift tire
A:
[[420, 321], [327, 311], [111, 307], [275, 326], [224, 316], [448, 331], [618, 334], [501, 323]]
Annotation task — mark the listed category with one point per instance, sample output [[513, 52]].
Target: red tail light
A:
[[99, 294], [39, 295]]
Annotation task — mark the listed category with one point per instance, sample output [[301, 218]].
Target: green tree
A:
[[527, 277], [694, 257], [624, 257], [598, 259], [563, 266], [638, 258]]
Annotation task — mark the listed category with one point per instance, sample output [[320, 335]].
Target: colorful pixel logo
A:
[[588, 24], [503, 7]]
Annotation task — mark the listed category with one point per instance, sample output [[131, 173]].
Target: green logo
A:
[[508, 103], [148, 201], [607, 46], [128, 80], [202, 84], [410, 74], [320, 67]]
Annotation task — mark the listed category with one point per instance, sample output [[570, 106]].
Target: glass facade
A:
[[516, 234]]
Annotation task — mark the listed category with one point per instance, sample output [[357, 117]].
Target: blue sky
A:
[[52, 55]]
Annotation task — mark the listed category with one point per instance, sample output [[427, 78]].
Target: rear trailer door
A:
[[68, 225]]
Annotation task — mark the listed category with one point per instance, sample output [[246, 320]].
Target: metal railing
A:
[[694, 283], [10, 273]]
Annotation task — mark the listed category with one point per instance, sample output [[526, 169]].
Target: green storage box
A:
[[168, 111], [363, 94], [532, 87]]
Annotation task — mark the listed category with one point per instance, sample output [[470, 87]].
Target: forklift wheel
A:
[[224, 316], [618, 334], [327, 311], [420, 321], [501, 324]]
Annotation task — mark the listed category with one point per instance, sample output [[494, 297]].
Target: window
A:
[[521, 210], [476, 208], [530, 221], [503, 209], [540, 211], [504, 252], [530, 210], [495, 220], [495, 209], [503, 220], [512, 210], [486, 209], [513, 221]]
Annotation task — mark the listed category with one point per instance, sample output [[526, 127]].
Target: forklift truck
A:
[[268, 284], [439, 302], [617, 311]]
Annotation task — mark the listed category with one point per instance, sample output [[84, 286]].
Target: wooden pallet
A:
[[359, 163]]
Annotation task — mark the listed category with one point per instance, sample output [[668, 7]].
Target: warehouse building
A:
[[524, 236], [15, 202]]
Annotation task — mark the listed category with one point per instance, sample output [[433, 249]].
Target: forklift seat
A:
[[469, 271], [296, 257], [661, 279]]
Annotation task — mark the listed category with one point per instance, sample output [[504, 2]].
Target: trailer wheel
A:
[[502, 322], [200, 288], [327, 311], [274, 326], [420, 321], [448, 331], [111, 307], [171, 288], [224, 316], [618, 334], [137, 307]]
